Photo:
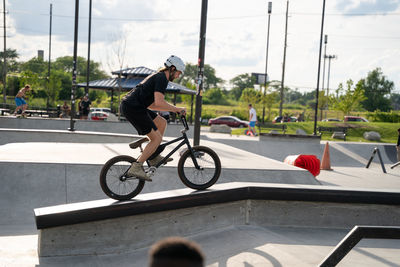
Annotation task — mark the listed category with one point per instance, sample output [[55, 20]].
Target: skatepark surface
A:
[[40, 173]]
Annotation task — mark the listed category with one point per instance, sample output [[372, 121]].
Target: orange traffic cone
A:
[[326, 161]]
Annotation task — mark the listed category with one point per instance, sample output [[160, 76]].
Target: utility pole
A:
[[319, 69], [323, 70], [266, 57], [72, 121], [88, 57], [48, 70], [5, 57], [329, 57], [200, 73], [284, 60]]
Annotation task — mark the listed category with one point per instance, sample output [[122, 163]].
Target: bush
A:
[[380, 116]]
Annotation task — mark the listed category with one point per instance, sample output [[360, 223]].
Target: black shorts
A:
[[141, 119]]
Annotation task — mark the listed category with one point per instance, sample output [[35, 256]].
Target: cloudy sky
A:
[[363, 34]]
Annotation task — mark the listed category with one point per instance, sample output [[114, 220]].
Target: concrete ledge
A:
[[64, 136], [222, 193], [107, 226]]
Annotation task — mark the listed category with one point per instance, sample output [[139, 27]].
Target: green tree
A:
[[350, 100], [215, 96], [66, 64], [240, 83], [11, 58], [269, 100], [395, 99], [251, 96], [210, 78], [377, 91]]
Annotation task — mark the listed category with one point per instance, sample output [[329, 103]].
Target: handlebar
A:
[[184, 121]]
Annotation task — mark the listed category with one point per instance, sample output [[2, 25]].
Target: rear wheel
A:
[[206, 175], [115, 183]]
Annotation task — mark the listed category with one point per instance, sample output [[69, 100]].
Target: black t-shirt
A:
[[143, 95], [85, 105]]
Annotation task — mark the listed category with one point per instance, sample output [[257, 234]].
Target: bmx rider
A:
[[138, 105]]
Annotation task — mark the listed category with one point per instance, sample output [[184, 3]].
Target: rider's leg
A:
[[155, 140], [161, 124], [137, 167]]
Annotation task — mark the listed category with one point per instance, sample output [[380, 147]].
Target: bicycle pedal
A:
[[151, 171]]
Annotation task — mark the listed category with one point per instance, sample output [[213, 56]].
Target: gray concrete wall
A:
[[134, 232], [172, 130]]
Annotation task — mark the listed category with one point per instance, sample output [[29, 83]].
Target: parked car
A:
[[102, 116], [355, 118], [108, 110], [331, 119], [231, 121], [278, 119]]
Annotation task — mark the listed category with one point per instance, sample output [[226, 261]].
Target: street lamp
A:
[[266, 57]]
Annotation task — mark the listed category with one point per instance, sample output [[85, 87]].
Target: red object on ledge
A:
[[308, 162]]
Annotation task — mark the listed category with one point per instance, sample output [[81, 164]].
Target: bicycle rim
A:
[[207, 175], [113, 181]]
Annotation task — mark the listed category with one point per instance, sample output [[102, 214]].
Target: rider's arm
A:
[[162, 105]]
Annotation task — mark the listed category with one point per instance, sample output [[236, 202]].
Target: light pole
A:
[[5, 57], [200, 74], [284, 61], [74, 72], [266, 58], [319, 69], [89, 39]]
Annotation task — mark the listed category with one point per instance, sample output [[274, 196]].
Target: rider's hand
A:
[[182, 112]]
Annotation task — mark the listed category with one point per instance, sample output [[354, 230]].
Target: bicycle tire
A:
[[113, 182], [199, 179]]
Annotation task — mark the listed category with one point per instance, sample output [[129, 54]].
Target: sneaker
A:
[[137, 170], [156, 160]]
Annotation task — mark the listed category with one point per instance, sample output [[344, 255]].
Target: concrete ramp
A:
[[107, 226], [41, 174]]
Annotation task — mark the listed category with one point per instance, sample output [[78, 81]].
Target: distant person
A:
[[20, 101], [65, 110], [176, 252], [85, 106], [252, 119], [398, 145]]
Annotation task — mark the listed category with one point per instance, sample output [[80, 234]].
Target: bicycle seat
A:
[[138, 143]]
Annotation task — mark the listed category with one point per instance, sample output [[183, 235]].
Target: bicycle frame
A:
[[184, 140]]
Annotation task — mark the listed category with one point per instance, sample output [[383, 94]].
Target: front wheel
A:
[[203, 177], [115, 183]]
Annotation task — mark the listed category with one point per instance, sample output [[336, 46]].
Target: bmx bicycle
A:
[[199, 167]]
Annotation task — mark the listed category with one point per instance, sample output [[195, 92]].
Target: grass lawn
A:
[[388, 131]]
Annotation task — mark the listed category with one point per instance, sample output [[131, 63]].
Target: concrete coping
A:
[[68, 214]]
